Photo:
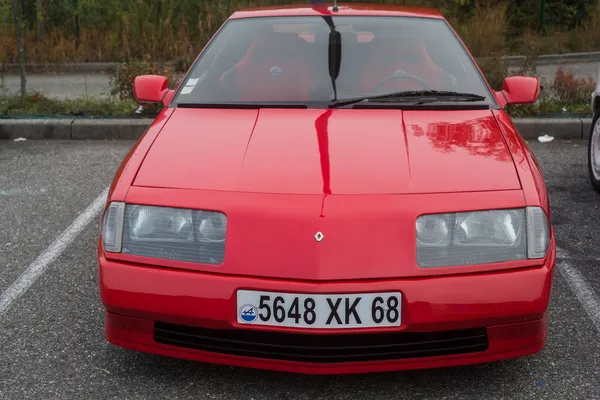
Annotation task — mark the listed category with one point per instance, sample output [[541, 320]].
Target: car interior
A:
[[291, 65]]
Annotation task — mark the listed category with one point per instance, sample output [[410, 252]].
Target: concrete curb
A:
[[130, 128], [106, 67], [35, 128], [67, 128], [109, 128], [561, 128]]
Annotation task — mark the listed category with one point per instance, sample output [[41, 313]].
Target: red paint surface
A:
[[521, 89], [530, 174], [511, 305], [150, 88], [356, 10], [429, 303], [367, 237], [322, 128], [356, 151], [360, 176]]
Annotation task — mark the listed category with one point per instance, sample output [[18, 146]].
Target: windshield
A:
[[286, 60]]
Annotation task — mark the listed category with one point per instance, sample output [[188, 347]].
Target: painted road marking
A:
[[580, 287], [44, 260], [561, 255]]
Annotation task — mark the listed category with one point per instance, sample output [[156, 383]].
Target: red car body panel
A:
[[133, 160], [280, 175], [353, 10], [330, 152], [137, 295], [508, 341], [264, 229], [430, 303], [530, 174]]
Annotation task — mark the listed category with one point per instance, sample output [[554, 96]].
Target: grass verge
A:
[[38, 105], [549, 108]]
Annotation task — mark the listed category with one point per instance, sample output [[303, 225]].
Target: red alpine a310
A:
[[330, 191]]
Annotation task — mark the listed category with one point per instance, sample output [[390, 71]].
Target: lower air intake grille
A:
[[334, 348]]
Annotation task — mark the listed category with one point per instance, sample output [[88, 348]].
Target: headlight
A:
[[212, 227], [481, 237], [166, 233], [433, 230], [159, 224], [489, 228]]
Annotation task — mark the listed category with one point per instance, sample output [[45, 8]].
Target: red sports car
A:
[[330, 190]]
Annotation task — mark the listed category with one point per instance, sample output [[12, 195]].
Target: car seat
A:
[[390, 55], [274, 69]]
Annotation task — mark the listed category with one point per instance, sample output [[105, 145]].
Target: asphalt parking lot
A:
[[52, 341]]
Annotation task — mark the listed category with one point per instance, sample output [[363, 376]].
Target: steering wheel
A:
[[401, 74]]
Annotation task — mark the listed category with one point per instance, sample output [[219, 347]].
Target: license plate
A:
[[320, 311]]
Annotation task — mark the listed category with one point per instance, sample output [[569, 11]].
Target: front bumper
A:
[[508, 306]]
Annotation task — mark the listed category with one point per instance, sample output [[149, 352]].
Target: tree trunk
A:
[[17, 22], [76, 21], [40, 13], [47, 23]]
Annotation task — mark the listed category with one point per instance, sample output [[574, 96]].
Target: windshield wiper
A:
[[418, 96]]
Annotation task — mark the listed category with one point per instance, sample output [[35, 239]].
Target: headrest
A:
[[276, 44]]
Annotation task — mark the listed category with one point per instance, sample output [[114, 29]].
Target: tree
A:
[[41, 15], [17, 22]]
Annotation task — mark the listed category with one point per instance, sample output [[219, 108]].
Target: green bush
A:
[[571, 90], [495, 70], [38, 105]]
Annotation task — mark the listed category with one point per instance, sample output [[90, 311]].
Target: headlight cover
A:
[[166, 233], [481, 237], [434, 230]]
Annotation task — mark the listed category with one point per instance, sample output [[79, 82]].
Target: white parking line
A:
[[561, 255], [41, 264], [584, 293]]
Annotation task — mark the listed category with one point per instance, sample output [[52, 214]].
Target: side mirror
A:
[[151, 89], [519, 90]]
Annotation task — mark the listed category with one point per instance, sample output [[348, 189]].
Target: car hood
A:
[[311, 151]]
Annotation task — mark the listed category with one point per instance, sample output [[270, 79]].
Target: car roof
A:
[[348, 10]]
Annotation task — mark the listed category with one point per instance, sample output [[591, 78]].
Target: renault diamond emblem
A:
[[319, 236]]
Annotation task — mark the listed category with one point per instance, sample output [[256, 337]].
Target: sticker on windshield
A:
[[275, 71], [189, 86]]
